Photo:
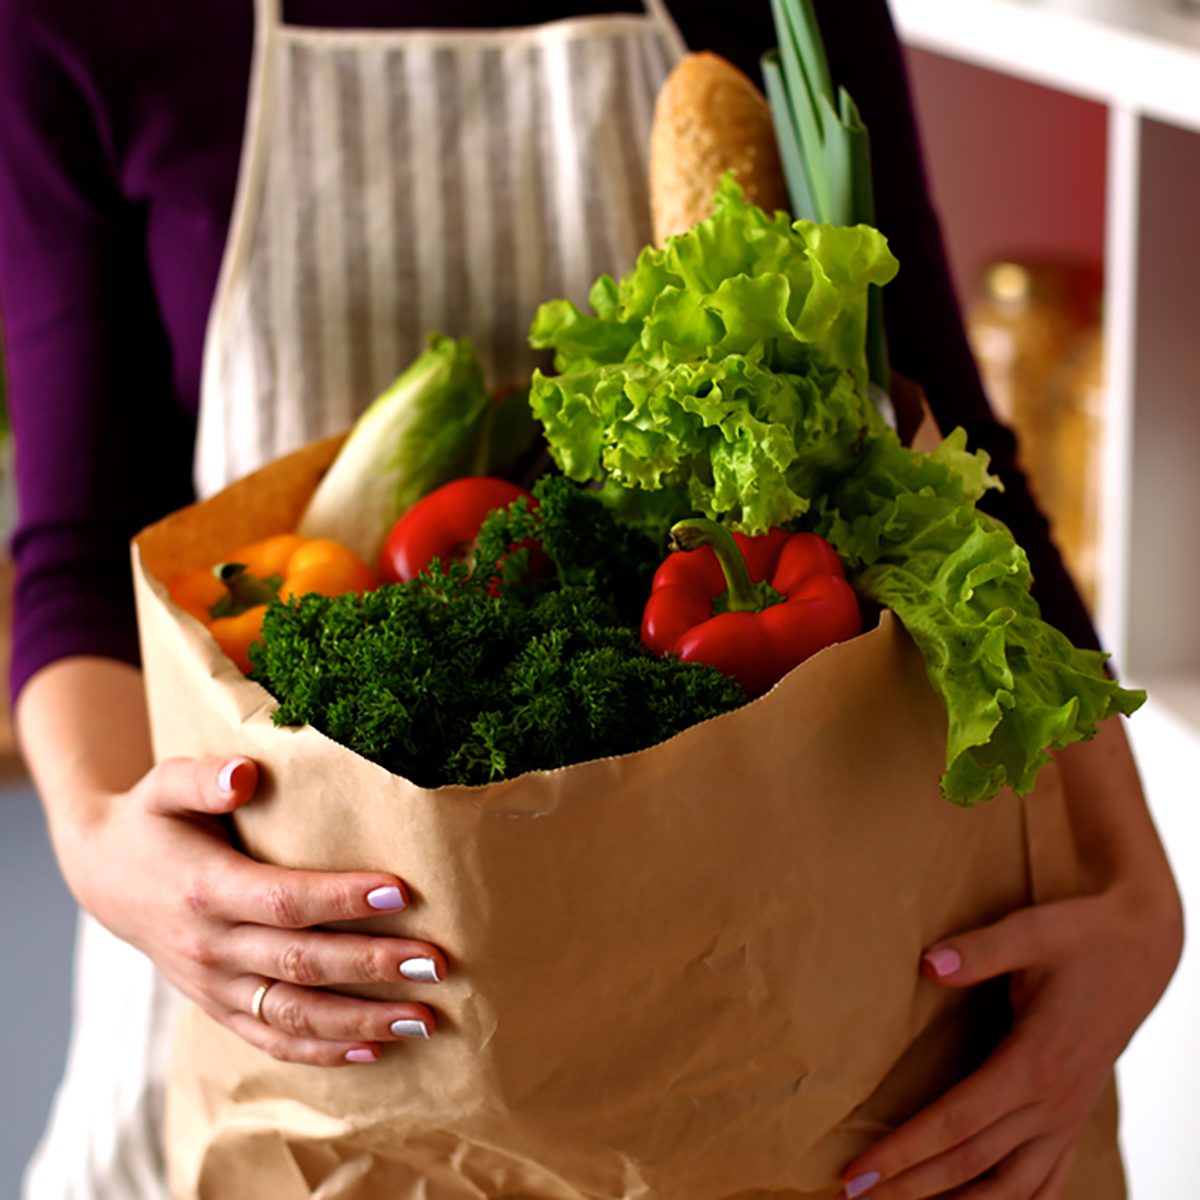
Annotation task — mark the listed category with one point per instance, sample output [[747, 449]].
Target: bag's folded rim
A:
[[258, 706]]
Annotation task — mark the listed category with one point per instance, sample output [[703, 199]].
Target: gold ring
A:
[[256, 1005]]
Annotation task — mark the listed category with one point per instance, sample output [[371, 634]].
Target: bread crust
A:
[[710, 118]]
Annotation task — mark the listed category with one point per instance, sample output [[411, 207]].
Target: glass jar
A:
[[1079, 449], [1037, 341]]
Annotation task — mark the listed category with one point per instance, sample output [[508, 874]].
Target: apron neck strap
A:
[[658, 12], [269, 17], [268, 14]]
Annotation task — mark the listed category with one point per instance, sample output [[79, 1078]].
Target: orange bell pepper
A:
[[231, 597]]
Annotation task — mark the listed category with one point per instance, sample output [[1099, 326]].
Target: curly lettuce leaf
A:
[[789, 294], [734, 439], [1013, 686]]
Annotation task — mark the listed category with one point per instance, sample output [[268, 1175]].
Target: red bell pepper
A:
[[753, 607], [444, 525]]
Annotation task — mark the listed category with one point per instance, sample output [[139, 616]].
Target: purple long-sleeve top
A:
[[120, 132]]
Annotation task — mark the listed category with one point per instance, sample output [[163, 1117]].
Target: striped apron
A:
[[398, 184], [393, 184]]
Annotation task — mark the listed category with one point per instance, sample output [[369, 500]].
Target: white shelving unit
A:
[[1139, 62], [1136, 55]]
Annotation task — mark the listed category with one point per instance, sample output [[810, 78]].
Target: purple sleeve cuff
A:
[[50, 645], [73, 595]]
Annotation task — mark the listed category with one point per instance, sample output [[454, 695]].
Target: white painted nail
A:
[[862, 1184], [410, 1029], [423, 970], [386, 899]]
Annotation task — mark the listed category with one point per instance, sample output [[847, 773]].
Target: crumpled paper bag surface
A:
[[688, 973]]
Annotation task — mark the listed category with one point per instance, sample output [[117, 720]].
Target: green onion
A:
[[823, 144]]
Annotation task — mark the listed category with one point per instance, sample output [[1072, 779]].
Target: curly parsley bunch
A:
[[471, 676]]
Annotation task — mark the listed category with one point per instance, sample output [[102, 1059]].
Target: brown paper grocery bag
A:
[[688, 973]]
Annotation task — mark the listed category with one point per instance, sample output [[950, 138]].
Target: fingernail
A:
[[943, 962], [410, 1029], [861, 1183], [423, 970], [357, 1056], [226, 779], [386, 899]]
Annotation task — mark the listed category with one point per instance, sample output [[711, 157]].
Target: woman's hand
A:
[[1085, 973], [154, 865]]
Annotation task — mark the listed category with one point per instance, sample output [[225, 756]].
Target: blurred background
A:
[[1063, 138], [36, 939]]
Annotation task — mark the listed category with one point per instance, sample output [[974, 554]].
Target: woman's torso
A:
[[184, 247], [174, 80]]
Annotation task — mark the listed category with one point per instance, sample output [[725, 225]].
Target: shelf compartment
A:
[[1142, 55]]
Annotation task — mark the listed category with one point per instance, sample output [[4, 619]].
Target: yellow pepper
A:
[[231, 597]]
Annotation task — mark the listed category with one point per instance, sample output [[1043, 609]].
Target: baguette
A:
[[709, 119]]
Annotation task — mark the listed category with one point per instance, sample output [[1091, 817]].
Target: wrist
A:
[[1147, 910], [1151, 897], [76, 820]]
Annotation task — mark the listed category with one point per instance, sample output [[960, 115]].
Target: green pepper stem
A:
[[742, 595], [243, 590]]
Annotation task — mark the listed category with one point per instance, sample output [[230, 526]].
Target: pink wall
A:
[[1017, 170]]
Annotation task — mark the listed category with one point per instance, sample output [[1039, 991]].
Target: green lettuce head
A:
[[727, 370]]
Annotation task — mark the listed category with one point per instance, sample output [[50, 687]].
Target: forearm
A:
[[84, 732], [1111, 822]]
